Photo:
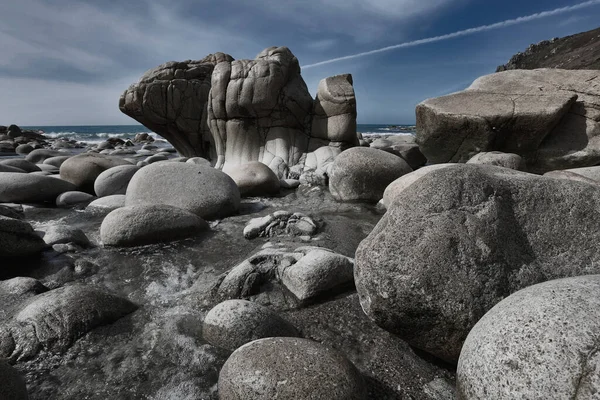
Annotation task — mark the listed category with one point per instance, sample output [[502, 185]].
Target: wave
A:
[[388, 133], [98, 136]]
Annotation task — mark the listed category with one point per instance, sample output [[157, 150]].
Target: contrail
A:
[[465, 32]]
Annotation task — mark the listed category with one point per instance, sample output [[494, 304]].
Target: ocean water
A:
[[99, 133]]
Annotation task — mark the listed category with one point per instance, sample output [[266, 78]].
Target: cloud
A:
[[483, 28]]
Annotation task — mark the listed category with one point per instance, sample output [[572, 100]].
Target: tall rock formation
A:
[[238, 111]]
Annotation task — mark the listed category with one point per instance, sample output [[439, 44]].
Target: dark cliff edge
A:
[[579, 51]]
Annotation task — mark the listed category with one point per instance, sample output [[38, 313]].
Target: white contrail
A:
[[465, 32]]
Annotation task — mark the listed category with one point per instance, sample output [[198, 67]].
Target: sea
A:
[[99, 133]]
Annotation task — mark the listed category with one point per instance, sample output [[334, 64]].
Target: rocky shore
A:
[[273, 252]]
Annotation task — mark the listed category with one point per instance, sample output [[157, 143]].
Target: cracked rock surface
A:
[[550, 117], [541, 342], [52, 321], [470, 236]]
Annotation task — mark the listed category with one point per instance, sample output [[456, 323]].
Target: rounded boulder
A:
[[83, 169], [30, 188], [147, 224], [254, 179], [289, 368], [204, 191], [18, 239], [114, 180], [361, 174], [234, 323], [538, 343]]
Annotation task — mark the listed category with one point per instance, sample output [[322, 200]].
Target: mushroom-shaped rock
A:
[[362, 174], [171, 100], [13, 385], [204, 191], [54, 320], [29, 188], [147, 224], [309, 370], [460, 239], [499, 159], [254, 179], [114, 180], [18, 239], [233, 323], [83, 169], [539, 343]]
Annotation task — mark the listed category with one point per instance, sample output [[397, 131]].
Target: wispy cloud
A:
[[466, 32]]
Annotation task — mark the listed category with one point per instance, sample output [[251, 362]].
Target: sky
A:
[[66, 62]]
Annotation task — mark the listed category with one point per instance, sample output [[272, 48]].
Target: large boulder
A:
[[40, 155], [146, 224], [259, 110], [83, 169], [254, 179], [236, 111], [30, 188], [362, 174], [171, 101], [52, 321], [402, 183], [499, 159], [538, 343], [204, 191], [18, 239], [21, 164], [289, 368], [549, 117], [233, 323], [459, 240], [114, 180]]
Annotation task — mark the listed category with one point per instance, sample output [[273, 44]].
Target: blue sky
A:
[[65, 62]]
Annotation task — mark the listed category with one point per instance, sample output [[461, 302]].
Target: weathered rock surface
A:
[[550, 117], [459, 240], [146, 224], [499, 159], [402, 183], [171, 101], [29, 188], [13, 385], [204, 191], [114, 180], [254, 179], [8, 168], [233, 323], [334, 116], [539, 343], [83, 169], [236, 111], [52, 321], [280, 223], [310, 371], [362, 174], [263, 278], [18, 239]]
